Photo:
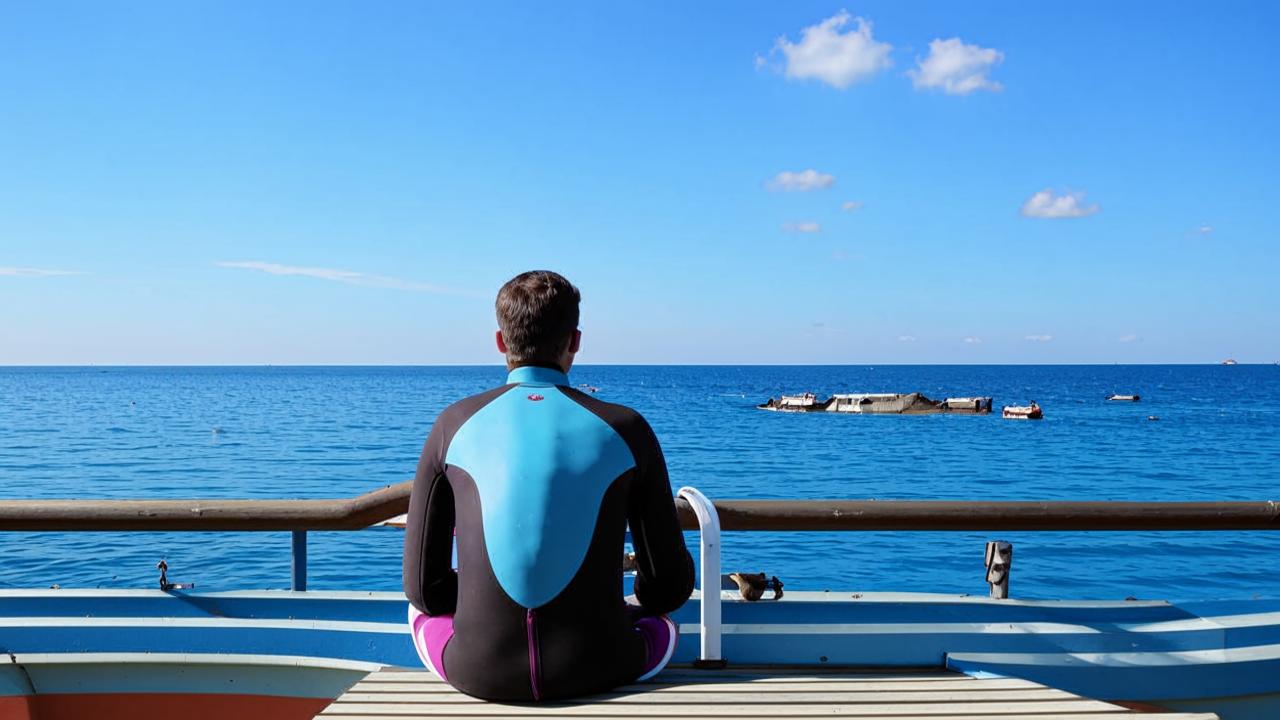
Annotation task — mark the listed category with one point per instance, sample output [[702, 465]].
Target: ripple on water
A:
[[338, 432]]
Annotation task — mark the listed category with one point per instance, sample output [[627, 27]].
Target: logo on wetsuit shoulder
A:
[[535, 397]]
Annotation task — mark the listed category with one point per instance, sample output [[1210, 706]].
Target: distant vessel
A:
[[804, 402], [1023, 412], [878, 404], [1125, 398], [1229, 361]]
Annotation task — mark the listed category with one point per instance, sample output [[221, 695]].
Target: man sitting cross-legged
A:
[[540, 482]]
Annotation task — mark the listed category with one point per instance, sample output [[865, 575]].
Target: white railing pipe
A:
[[708, 573]]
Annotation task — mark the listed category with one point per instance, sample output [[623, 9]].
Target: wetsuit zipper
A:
[[532, 632]]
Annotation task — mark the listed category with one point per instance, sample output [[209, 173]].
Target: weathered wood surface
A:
[[825, 515], [901, 695]]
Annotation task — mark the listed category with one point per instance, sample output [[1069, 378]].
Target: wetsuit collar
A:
[[534, 375]]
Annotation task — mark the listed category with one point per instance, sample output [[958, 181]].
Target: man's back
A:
[[540, 481]]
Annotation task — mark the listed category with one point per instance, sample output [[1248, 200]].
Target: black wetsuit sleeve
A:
[[664, 569], [430, 582]]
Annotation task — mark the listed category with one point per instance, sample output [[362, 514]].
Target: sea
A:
[[1199, 433]]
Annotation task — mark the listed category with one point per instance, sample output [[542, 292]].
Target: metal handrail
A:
[[362, 511], [708, 575], [751, 515], [354, 513]]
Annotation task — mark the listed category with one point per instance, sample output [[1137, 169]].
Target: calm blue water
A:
[[337, 432]]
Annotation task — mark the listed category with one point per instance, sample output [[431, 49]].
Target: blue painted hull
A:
[[1218, 656]]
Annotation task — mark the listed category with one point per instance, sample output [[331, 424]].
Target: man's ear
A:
[[576, 342], [502, 344]]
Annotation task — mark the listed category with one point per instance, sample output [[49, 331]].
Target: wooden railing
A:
[[801, 515], [301, 516]]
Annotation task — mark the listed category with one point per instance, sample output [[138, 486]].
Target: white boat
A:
[[285, 655], [1022, 412]]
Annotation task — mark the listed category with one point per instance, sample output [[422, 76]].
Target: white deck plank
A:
[[740, 696], [743, 709], [902, 695], [983, 716], [752, 676], [960, 686]]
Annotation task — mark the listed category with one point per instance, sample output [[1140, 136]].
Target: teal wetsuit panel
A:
[[542, 464]]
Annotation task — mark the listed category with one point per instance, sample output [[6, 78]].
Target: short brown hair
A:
[[537, 313]]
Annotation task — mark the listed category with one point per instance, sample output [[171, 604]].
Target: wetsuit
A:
[[540, 481]]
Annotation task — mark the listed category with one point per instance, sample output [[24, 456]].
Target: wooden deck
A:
[[748, 694]]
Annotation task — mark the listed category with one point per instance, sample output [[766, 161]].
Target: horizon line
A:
[[625, 364]]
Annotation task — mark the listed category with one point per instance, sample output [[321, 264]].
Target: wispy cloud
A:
[[1128, 338], [851, 205], [802, 227], [1045, 204], [35, 272], [802, 181], [826, 54], [348, 277], [906, 338], [1039, 338], [957, 68], [819, 329], [973, 340], [1205, 229]]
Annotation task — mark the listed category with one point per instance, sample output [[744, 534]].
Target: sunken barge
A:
[[878, 404]]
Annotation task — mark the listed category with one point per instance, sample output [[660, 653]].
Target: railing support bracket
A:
[[299, 565], [999, 566]]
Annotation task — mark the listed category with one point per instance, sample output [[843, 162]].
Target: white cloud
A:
[[35, 272], [1045, 204], [1128, 338], [1204, 229], [802, 181], [851, 205], [833, 57], [802, 227], [1039, 338], [906, 338], [973, 340], [348, 277], [957, 68]]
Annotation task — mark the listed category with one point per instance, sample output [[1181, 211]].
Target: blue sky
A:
[[800, 182]]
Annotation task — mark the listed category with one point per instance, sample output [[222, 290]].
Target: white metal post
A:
[[709, 572]]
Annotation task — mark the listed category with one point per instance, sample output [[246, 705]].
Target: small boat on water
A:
[[1229, 361], [1124, 398], [1023, 412], [878, 404]]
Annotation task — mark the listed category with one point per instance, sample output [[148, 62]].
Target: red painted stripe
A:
[[17, 707], [187, 706]]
